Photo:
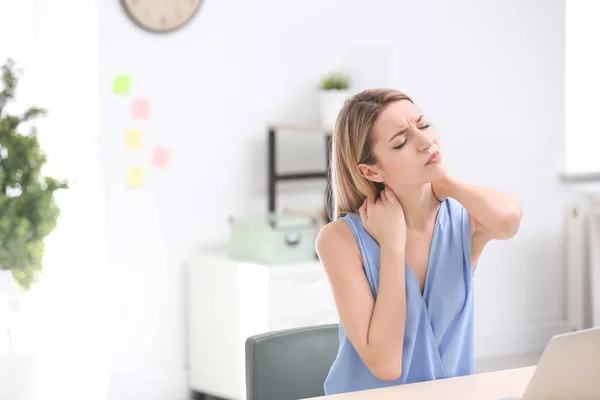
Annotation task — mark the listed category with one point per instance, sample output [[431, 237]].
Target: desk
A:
[[487, 386]]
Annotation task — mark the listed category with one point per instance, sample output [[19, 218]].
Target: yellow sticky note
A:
[[134, 177], [133, 139]]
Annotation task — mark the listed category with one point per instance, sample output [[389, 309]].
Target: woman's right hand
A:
[[383, 218]]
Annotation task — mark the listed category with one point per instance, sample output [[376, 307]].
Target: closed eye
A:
[[421, 128]]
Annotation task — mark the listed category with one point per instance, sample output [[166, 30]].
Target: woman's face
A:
[[405, 146]]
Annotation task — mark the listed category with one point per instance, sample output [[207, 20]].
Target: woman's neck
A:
[[419, 204]]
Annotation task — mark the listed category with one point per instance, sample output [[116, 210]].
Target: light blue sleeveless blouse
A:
[[438, 337]]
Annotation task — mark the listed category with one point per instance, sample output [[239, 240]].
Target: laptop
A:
[[568, 369]]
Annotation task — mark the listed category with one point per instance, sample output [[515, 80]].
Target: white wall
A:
[[489, 74]]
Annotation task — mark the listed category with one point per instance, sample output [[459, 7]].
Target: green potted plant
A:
[[334, 90], [28, 211]]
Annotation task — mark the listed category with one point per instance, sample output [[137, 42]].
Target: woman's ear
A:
[[370, 173]]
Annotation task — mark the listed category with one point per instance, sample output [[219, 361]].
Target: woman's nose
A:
[[424, 138]]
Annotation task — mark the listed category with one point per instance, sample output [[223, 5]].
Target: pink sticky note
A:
[[140, 109], [160, 157]]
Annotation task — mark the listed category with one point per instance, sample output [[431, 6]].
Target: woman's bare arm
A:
[[374, 326]]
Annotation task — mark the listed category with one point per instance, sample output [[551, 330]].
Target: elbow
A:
[[510, 222], [388, 371], [389, 375]]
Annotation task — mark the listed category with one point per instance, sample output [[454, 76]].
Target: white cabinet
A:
[[230, 300]]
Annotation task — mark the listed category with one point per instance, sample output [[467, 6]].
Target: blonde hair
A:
[[351, 145]]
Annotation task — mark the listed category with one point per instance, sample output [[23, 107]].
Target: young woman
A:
[[402, 248]]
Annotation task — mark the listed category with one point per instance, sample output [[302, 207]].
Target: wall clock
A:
[[161, 16]]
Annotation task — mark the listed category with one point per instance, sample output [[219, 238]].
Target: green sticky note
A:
[[121, 85]]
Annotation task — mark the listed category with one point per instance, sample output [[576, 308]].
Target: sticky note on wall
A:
[[160, 157], [140, 109], [121, 85], [134, 177], [133, 139]]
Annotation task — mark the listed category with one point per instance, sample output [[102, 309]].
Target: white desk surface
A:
[[486, 386]]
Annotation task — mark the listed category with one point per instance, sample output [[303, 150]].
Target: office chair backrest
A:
[[290, 364]]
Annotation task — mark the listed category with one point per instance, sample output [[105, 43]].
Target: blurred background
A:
[[178, 136]]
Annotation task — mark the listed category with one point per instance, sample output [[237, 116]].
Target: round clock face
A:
[[161, 16]]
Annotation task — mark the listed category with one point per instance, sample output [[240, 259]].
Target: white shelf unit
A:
[[230, 300]]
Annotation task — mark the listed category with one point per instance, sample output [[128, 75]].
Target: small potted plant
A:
[[334, 90]]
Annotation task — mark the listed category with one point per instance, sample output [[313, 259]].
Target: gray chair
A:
[[290, 364]]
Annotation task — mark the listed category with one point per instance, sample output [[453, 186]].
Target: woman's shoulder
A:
[[454, 206], [337, 233], [336, 240], [456, 211]]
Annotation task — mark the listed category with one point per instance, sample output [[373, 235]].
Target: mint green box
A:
[[273, 238]]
